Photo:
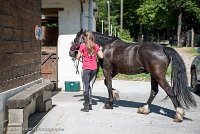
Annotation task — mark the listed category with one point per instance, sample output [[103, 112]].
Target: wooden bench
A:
[[25, 103]]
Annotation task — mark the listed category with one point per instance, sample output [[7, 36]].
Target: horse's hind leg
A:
[[180, 113], [154, 90]]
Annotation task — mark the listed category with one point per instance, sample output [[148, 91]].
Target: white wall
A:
[[70, 18], [69, 25], [66, 69]]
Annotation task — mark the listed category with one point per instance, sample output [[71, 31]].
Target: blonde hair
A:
[[89, 41]]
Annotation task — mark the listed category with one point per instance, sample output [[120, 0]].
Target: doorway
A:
[[49, 58]]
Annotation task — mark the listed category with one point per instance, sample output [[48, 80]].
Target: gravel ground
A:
[[66, 117]]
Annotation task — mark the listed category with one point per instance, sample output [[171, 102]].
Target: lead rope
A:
[[76, 64]]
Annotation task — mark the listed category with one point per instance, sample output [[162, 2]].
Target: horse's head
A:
[[74, 50], [79, 37], [76, 44]]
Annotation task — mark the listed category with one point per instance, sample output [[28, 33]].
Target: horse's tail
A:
[[179, 79]]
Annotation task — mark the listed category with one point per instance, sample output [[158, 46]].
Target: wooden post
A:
[[121, 15], [192, 38], [179, 29], [102, 26]]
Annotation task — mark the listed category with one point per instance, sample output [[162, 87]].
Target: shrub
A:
[[125, 35]]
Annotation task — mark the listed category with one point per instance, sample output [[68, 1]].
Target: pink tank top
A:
[[89, 61]]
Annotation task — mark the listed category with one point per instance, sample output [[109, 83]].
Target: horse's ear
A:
[[81, 30], [84, 31]]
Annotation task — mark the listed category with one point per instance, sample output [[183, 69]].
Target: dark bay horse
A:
[[143, 57]]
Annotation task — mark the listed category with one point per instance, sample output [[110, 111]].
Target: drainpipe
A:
[[90, 18], [81, 14], [82, 23]]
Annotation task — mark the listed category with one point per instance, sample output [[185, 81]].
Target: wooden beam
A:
[[49, 11]]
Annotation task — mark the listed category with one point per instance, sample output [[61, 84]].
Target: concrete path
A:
[[66, 118]]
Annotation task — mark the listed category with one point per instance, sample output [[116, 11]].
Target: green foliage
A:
[[100, 73], [151, 11], [114, 13], [125, 35], [157, 16], [192, 51], [192, 8], [136, 77], [50, 24]]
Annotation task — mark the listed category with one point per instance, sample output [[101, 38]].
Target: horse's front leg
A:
[[115, 92], [108, 78], [154, 90]]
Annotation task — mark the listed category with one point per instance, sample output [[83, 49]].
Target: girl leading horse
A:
[[144, 57]]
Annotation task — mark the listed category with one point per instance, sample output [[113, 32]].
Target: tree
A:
[[160, 13], [158, 17], [114, 14]]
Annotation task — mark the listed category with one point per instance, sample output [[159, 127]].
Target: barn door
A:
[[49, 67]]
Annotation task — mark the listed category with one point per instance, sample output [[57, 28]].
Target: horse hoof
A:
[[180, 113], [107, 106], [142, 110], [178, 118]]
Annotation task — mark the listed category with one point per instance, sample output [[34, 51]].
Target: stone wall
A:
[[20, 52]]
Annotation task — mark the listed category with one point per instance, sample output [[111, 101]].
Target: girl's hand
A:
[[100, 48]]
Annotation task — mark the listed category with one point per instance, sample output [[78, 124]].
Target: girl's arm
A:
[[100, 53]]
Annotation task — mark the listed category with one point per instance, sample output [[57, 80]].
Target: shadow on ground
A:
[[36, 118], [198, 94], [133, 104]]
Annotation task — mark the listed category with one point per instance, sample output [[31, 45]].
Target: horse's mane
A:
[[105, 36], [103, 39]]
